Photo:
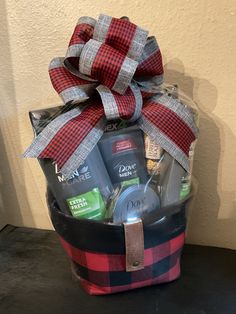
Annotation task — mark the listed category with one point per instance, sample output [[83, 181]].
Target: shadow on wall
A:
[[8, 197], [206, 226], [10, 210]]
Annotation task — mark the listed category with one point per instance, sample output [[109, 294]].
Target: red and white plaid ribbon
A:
[[114, 58]]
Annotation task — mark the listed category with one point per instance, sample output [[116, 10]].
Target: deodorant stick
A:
[[123, 154]]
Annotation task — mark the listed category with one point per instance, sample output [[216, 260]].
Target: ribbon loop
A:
[[69, 87], [107, 65], [121, 34]]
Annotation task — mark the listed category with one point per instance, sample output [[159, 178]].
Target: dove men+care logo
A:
[[126, 169], [80, 175]]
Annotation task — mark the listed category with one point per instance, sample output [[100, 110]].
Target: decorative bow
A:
[[116, 59]]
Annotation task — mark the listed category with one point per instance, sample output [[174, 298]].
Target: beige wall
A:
[[197, 39]]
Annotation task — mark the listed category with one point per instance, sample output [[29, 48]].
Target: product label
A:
[[185, 190], [89, 205], [117, 125], [152, 150], [133, 181], [80, 175], [122, 146], [136, 205], [126, 169]]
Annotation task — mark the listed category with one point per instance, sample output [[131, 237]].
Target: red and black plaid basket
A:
[[97, 249]]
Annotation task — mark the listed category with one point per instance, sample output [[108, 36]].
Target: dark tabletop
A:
[[35, 277]]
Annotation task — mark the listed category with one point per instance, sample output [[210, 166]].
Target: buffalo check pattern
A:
[[101, 273], [113, 62]]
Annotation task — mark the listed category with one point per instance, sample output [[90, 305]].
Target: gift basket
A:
[[117, 157]]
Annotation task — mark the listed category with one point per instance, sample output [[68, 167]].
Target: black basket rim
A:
[[147, 220]]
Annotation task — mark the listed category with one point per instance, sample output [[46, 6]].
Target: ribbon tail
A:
[[44, 138], [70, 138], [160, 138], [171, 125], [84, 149]]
